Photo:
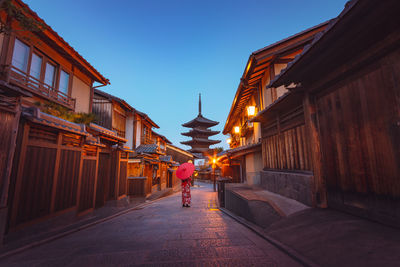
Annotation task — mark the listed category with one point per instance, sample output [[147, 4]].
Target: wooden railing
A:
[[33, 85], [120, 133]]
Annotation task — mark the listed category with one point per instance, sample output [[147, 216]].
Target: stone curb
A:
[[79, 228], [259, 231]]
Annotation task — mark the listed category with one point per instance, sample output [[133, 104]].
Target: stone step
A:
[[258, 205]]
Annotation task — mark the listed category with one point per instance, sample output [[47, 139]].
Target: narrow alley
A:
[[161, 234]]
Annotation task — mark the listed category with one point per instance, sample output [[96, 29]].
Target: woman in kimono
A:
[[186, 197]]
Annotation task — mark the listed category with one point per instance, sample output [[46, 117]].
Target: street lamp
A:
[[236, 129]]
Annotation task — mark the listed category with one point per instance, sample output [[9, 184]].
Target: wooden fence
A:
[[53, 172]]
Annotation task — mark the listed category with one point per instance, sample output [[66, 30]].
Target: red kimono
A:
[[186, 197]]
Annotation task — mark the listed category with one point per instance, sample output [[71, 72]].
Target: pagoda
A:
[[200, 133]]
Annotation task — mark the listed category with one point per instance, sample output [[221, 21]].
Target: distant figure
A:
[[184, 172], [186, 197]]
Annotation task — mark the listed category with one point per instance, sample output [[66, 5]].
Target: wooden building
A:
[[244, 160], [48, 165], [149, 161], [344, 102]]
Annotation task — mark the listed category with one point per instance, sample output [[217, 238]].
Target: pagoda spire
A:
[[199, 104]]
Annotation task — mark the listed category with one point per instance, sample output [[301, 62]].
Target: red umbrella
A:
[[185, 170]]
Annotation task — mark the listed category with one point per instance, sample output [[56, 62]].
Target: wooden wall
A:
[[360, 134], [284, 142], [102, 108]]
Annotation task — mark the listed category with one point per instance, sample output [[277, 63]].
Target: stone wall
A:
[[294, 185]]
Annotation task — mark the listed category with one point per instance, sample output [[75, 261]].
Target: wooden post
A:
[[78, 191], [319, 197], [95, 178], [214, 187], [10, 157], [20, 171]]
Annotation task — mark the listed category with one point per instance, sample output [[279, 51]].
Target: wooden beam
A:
[[283, 60], [319, 196]]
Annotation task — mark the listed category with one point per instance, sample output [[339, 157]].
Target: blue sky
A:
[[160, 54]]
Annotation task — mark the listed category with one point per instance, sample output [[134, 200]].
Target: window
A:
[[49, 74], [36, 66], [33, 70], [64, 82], [20, 56]]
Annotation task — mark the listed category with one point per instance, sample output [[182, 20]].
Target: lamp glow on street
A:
[[251, 111], [229, 140], [236, 129]]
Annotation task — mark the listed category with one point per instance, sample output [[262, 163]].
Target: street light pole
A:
[[213, 167], [214, 178]]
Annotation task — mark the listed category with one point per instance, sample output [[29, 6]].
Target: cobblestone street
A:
[[163, 233]]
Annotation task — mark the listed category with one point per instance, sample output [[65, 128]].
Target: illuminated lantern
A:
[[251, 111]]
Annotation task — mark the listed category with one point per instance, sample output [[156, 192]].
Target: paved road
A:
[[161, 234]]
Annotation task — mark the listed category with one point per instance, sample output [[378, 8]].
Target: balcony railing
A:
[[119, 132], [20, 78]]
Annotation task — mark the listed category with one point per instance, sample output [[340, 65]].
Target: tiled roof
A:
[[196, 140], [200, 121], [278, 80], [150, 148]]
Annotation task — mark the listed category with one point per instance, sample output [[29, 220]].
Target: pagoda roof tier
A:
[[200, 141], [200, 150], [198, 132], [200, 121]]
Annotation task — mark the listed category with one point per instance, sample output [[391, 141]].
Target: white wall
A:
[[129, 131], [280, 91], [81, 93], [138, 132]]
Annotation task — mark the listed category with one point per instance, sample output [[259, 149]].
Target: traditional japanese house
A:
[[244, 160], [178, 154], [347, 86], [50, 163], [150, 164], [200, 133], [116, 115]]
